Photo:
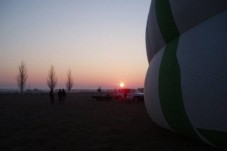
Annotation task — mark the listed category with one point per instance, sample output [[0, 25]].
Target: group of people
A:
[[61, 96]]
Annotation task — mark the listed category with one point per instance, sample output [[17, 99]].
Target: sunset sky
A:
[[101, 41]]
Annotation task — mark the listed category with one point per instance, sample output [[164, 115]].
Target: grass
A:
[[29, 122]]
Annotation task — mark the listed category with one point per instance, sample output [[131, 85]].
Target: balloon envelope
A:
[[186, 81]]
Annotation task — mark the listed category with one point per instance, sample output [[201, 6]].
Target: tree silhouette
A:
[[22, 77], [69, 82], [51, 80]]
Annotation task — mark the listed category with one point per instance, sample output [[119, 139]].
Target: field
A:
[[29, 122]]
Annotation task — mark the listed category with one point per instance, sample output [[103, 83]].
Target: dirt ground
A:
[[29, 122]]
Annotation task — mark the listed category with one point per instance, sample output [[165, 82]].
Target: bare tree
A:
[[51, 80], [22, 77], [69, 82]]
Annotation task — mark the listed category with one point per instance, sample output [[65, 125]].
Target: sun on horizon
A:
[[122, 84]]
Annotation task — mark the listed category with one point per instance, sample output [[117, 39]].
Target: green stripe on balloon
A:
[[169, 75], [217, 138], [166, 21], [170, 92]]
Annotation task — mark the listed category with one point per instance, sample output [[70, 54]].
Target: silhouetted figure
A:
[[125, 94], [51, 95], [63, 95], [59, 96], [99, 90]]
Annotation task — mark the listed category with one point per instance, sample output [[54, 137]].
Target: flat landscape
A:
[[29, 122]]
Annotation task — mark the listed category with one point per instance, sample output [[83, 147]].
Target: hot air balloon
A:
[[186, 81]]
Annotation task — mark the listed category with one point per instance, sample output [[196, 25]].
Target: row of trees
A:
[[51, 79]]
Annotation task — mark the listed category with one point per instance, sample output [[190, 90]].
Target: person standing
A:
[[63, 95], [59, 96]]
